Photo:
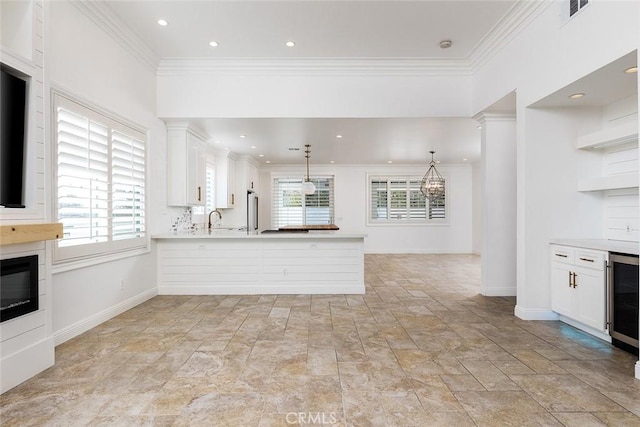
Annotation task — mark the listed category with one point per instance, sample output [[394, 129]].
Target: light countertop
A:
[[620, 246], [237, 234]]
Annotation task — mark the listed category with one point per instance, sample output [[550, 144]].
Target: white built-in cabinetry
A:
[[225, 180], [186, 165], [619, 148], [578, 287]]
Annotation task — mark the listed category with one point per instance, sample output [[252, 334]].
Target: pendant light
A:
[[432, 186], [307, 185]]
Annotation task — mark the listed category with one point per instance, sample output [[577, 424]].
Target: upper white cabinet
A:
[[252, 177], [186, 165], [225, 180]]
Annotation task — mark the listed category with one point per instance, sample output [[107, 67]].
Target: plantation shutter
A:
[[210, 192], [128, 185], [291, 207], [100, 182], [398, 199], [83, 179]]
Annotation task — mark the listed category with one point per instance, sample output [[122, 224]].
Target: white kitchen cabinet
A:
[[186, 165], [578, 285], [225, 180], [252, 177]]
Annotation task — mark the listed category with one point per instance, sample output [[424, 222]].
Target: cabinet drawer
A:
[[590, 259], [562, 254]]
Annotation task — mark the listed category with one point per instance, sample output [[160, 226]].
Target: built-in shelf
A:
[[25, 233], [609, 137], [611, 182]]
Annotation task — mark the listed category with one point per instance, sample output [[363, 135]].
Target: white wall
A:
[[85, 61], [183, 93], [351, 208]]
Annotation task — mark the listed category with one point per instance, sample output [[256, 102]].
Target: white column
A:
[[498, 171]]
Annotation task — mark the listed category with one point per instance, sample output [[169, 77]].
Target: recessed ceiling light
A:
[[445, 44], [389, 161], [268, 161], [331, 161], [478, 127], [576, 95], [213, 43], [338, 136], [163, 22], [464, 160], [216, 141], [260, 155], [253, 146], [631, 70], [243, 136], [438, 161], [290, 44]]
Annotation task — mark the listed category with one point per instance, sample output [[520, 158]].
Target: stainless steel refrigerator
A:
[[252, 211]]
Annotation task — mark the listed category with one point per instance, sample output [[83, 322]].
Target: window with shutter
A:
[[210, 191], [398, 200], [291, 207], [100, 182]]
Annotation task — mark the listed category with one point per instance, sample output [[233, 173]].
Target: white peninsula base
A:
[[239, 264]]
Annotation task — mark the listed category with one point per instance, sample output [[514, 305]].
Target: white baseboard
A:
[[534, 313], [26, 363], [638, 369], [98, 318], [499, 292], [263, 289]]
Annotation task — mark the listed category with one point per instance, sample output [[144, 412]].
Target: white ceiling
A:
[[325, 29]]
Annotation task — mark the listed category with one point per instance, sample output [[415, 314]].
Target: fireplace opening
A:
[[18, 287]]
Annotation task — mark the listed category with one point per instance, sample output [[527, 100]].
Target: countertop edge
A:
[[620, 246], [241, 236]]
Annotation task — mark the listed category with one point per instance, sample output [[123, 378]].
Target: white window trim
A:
[[405, 223], [73, 257]]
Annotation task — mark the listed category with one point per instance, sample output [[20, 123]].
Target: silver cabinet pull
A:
[[561, 255], [586, 259]]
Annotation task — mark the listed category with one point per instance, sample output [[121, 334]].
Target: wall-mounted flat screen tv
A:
[[13, 114]]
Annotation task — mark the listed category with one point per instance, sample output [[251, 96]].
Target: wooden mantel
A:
[[24, 233]]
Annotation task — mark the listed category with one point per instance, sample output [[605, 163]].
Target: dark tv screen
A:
[[13, 95]]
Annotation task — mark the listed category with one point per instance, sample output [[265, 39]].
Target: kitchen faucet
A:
[[219, 216]]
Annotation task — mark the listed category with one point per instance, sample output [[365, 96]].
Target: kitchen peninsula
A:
[[231, 262]]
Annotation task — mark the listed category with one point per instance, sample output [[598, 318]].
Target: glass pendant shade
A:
[[432, 185], [308, 188]]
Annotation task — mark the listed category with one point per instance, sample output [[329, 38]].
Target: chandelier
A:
[[432, 186], [307, 185]]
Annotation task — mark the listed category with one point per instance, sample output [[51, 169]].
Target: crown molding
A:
[[103, 16], [317, 66], [516, 19]]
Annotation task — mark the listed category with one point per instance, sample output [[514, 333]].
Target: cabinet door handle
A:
[[561, 255], [233, 198], [575, 276], [570, 279], [199, 193], [586, 259]]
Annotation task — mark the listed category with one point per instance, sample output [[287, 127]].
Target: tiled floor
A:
[[420, 348]]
